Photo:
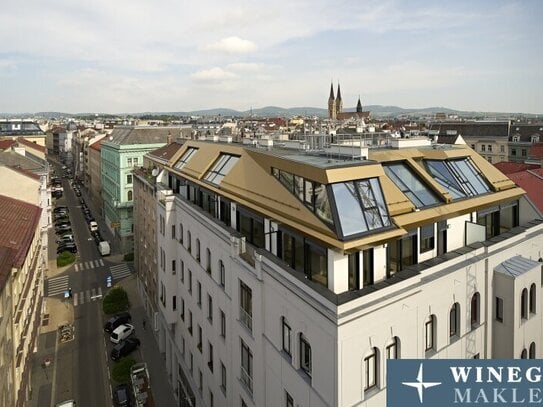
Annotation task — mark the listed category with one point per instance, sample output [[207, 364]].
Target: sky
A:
[[173, 55]]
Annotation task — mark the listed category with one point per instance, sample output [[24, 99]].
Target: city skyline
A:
[[136, 57]]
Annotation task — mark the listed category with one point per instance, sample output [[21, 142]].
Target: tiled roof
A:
[[30, 144], [166, 152], [6, 263], [11, 158], [532, 182], [508, 167], [6, 144], [18, 223], [28, 173], [473, 129], [97, 145], [526, 129], [536, 151], [524, 138]]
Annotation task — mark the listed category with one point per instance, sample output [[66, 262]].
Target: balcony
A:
[[246, 319]]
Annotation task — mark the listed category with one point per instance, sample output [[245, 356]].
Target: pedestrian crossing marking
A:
[[77, 267], [86, 296], [57, 285], [88, 265], [120, 271]]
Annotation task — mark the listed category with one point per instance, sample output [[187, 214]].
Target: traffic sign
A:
[[115, 225]]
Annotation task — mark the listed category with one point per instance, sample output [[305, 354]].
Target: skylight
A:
[[185, 158], [360, 206], [460, 177], [410, 185], [221, 168]]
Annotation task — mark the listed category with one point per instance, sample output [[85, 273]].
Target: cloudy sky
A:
[[175, 55]]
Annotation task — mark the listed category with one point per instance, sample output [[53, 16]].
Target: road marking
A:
[[96, 263], [76, 297], [101, 262], [89, 264], [77, 267], [120, 271], [57, 285]]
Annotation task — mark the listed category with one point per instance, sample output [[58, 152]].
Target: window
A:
[[197, 250], [289, 401], [305, 355], [367, 267], [129, 162], [129, 179], [523, 152], [252, 227], [246, 367], [190, 282], [199, 294], [200, 380], [392, 349], [427, 238], [173, 231], [190, 323], [514, 151], [181, 233], [182, 271], [402, 253], [354, 271], [490, 148], [210, 356], [221, 168], [483, 147], [211, 399], [370, 370], [130, 195], [475, 307], [185, 158], [286, 331], [135, 160], [191, 363], [182, 309], [429, 333], [208, 260], [532, 350], [199, 345], [246, 305], [223, 324], [502, 149], [223, 378], [189, 241], [222, 274], [410, 184], [174, 303], [454, 320], [360, 206], [173, 267], [524, 354], [499, 309], [210, 308], [532, 299], [524, 304]]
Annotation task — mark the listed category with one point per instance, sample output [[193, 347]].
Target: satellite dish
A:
[[154, 173]]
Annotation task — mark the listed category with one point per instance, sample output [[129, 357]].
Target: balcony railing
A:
[[246, 319], [246, 379]]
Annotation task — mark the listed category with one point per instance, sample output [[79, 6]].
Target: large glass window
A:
[[459, 177], [354, 271], [305, 355], [285, 327], [410, 185], [367, 267], [221, 168], [251, 227], [402, 253], [371, 370], [185, 158], [427, 240], [246, 305], [246, 366], [360, 206]]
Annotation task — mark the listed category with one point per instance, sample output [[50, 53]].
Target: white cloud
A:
[[244, 67], [233, 45], [214, 74]]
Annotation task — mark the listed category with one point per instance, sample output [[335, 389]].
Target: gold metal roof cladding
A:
[[251, 183]]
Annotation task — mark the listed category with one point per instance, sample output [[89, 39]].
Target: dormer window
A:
[[221, 168], [516, 139], [406, 180], [535, 138], [185, 158]]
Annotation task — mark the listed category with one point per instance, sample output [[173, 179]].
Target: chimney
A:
[[169, 139]]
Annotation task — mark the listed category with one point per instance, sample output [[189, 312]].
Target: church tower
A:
[[359, 106], [339, 102], [332, 103]]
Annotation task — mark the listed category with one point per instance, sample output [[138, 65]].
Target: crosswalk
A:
[[120, 271], [89, 265], [83, 297], [57, 285]]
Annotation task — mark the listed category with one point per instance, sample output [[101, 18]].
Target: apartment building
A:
[[22, 265], [288, 278]]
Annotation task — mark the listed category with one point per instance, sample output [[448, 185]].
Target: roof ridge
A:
[[535, 174]]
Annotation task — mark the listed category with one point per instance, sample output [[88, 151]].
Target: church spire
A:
[[338, 92], [359, 105], [339, 102], [332, 97], [332, 103]]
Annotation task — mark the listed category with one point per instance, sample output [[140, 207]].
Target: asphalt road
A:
[[89, 378]]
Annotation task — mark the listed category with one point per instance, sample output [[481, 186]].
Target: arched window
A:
[[198, 250], [371, 369], [475, 309], [430, 333], [189, 241], [208, 260], [129, 194], [532, 350], [524, 354], [181, 233], [524, 304], [532, 299], [222, 274], [393, 349], [454, 320]]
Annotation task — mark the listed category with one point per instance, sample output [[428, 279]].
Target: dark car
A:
[[89, 218], [78, 193], [57, 194], [67, 247], [61, 216], [62, 222], [61, 229], [81, 201], [124, 348], [117, 320], [97, 236], [122, 396], [60, 209]]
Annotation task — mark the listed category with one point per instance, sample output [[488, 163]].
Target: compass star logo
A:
[[420, 384]]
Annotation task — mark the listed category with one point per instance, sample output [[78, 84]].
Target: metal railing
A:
[[246, 379], [246, 319]]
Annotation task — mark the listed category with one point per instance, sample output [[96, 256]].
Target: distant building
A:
[[93, 178], [335, 107], [28, 129]]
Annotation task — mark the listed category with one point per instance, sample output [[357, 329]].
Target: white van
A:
[[93, 226], [103, 248]]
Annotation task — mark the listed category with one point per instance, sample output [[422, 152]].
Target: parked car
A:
[[67, 403], [78, 193], [97, 237], [61, 216], [60, 209], [67, 247], [61, 229], [124, 348], [81, 201], [57, 194], [62, 222], [121, 333], [93, 226], [122, 396], [66, 239], [116, 320], [89, 218]]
